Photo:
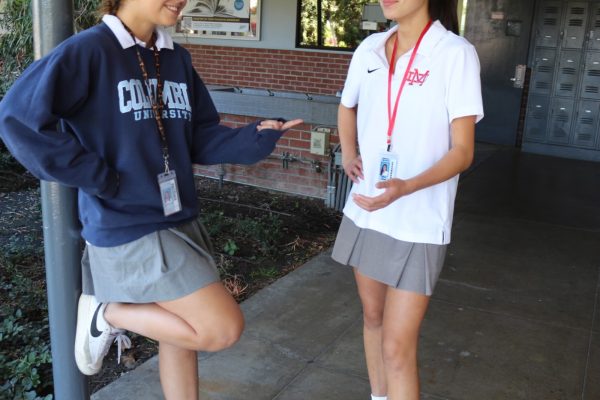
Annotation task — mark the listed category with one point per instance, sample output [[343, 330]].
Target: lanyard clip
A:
[[166, 158], [389, 147]]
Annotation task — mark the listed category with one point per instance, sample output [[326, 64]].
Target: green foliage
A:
[[266, 230], [340, 21], [261, 233], [230, 247], [25, 359], [16, 44], [268, 273], [25, 352]]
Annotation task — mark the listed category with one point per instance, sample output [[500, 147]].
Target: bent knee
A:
[[220, 337]]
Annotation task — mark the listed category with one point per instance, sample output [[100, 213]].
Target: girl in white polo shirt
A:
[[411, 101]]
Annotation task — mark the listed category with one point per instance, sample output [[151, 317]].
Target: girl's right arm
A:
[[52, 88], [351, 160]]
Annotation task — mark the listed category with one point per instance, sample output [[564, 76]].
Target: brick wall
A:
[[299, 177], [289, 70], [282, 70]]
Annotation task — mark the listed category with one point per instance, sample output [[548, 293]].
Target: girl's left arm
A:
[[214, 143], [458, 159]]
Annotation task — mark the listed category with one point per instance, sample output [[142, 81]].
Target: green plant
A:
[[25, 359], [265, 230], [230, 247], [265, 273]]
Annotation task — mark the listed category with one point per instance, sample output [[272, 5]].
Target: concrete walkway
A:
[[515, 314]]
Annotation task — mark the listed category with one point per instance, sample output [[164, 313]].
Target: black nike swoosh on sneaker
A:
[[372, 70], [93, 328]]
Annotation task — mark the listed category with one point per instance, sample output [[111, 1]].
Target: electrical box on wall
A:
[[319, 141]]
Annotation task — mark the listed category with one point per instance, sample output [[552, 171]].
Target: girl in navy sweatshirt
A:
[[119, 112]]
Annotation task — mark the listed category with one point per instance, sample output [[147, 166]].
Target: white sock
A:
[[373, 397]]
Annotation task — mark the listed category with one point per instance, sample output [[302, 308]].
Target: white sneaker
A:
[[94, 336]]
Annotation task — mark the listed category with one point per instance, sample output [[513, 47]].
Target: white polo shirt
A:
[[444, 84]]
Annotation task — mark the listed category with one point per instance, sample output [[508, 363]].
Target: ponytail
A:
[[109, 7], [446, 12]]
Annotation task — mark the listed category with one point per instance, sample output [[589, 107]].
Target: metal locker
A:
[[536, 120], [585, 130], [548, 24], [575, 25], [543, 71], [568, 73], [561, 117], [590, 88], [594, 29]]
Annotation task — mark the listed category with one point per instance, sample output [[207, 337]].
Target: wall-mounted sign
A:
[[220, 19]]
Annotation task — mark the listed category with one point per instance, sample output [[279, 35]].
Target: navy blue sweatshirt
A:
[[80, 116]]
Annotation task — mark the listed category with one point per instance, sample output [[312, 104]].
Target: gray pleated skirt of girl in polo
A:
[[414, 267], [161, 266]]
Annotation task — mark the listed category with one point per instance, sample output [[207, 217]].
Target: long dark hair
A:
[[446, 12]]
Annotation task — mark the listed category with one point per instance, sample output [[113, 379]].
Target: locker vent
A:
[[586, 121], [562, 118], [597, 22], [551, 10], [559, 133], [578, 10], [591, 89], [545, 68], [542, 85], [568, 71], [566, 87], [584, 137], [576, 22], [549, 21], [594, 72]]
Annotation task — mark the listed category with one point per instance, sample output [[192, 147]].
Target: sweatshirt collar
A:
[[163, 39], [430, 40]]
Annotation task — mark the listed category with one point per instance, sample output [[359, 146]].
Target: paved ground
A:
[[516, 314]]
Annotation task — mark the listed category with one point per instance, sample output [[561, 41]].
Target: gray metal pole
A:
[[53, 23]]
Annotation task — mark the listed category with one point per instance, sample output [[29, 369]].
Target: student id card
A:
[[387, 166], [169, 192]]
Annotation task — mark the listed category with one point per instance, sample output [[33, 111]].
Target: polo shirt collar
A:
[[163, 39], [434, 35]]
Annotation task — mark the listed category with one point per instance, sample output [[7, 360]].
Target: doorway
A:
[[500, 30]]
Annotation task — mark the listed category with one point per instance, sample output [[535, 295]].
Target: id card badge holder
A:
[[169, 192], [387, 166]]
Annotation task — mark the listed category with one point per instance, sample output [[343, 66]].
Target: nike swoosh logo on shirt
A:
[[372, 70], [93, 328]]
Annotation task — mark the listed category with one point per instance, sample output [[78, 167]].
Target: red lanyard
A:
[[392, 117]]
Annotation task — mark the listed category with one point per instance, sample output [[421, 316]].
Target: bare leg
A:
[[404, 311], [208, 319], [372, 295], [178, 372]]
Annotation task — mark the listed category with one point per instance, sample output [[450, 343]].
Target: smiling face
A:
[[143, 16], [399, 10]]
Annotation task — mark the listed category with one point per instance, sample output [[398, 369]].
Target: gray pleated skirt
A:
[[161, 266], [414, 267]]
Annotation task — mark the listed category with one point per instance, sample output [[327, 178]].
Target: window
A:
[[330, 24]]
